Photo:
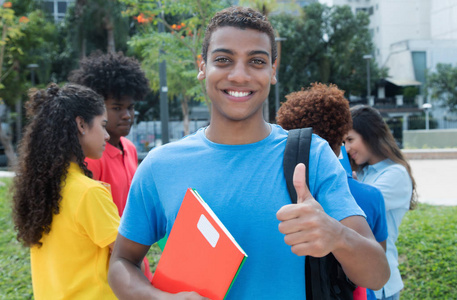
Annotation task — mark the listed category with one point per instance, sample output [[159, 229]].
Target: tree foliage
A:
[[26, 38], [442, 85], [325, 44], [97, 24]]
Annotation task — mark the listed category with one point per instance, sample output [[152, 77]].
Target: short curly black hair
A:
[[112, 75], [322, 107], [240, 17]]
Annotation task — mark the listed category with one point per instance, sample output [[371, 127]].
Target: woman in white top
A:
[[378, 161]]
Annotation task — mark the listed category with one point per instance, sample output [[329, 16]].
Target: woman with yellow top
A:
[[68, 220]]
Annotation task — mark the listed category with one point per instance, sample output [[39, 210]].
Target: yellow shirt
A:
[[73, 261]]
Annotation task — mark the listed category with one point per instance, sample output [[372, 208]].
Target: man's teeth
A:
[[238, 94]]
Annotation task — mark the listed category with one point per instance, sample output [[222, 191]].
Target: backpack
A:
[[324, 277]]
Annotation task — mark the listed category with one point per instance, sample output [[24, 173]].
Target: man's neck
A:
[[237, 133], [116, 143]]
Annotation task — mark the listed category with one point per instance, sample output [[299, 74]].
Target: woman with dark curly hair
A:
[[379, 162], [325, 109], [68, 220]]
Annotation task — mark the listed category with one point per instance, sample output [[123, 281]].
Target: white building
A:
[[410, 37]]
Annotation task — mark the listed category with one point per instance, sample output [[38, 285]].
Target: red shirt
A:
[[117, 168]]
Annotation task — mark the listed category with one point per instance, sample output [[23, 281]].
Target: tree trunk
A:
[[9, 150], [82, 53], [185, 114], [111, 46], [109, 27]]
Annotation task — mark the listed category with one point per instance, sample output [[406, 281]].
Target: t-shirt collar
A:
[[113, 151]]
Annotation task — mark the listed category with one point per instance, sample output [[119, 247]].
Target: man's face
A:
[[238, 73], [120, 117]]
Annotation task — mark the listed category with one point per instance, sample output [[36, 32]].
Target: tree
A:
[[180, 45], [325, 44], [27, 38], [442, 85], [98, 24], [11, 27]]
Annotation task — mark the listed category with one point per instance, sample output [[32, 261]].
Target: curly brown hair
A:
[[240, 17], [322, 107], [50, 142]]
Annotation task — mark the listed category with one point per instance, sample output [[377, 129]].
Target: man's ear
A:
[[81, 125], [202, 71]]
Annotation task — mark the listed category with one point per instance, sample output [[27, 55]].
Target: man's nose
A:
[[239, 73]]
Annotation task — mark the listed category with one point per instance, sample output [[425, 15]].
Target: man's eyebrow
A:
[[257, 52], [222, 50], [251, 53]]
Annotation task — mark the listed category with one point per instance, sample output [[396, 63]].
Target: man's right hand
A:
[[128, 281]]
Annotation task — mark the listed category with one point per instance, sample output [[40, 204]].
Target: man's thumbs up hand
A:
[[307, 228], [299, 180]]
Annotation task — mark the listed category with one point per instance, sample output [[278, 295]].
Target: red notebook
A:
[[200, 254]]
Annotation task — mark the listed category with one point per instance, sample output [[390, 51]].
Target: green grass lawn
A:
[[427, 248]]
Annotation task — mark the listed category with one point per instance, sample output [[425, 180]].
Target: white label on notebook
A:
[[208, 231]]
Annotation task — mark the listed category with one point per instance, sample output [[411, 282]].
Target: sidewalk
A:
[[436, 180], [6, 174]]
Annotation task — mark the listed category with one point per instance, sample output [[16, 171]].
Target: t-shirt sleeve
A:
[[97, 216], [143, 220], [328, 181], [95, 166]]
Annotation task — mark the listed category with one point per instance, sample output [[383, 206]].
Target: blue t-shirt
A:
[[371, 202], [245, 186]]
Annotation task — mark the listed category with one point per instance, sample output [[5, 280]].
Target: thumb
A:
[[299, 180]]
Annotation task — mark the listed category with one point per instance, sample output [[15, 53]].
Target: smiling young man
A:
[[236, 165]]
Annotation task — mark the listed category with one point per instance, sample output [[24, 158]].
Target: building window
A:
[[61, 7], [367, 10], [57, 8]]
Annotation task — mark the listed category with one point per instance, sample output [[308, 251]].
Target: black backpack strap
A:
[[324, 276], [297, 150]]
